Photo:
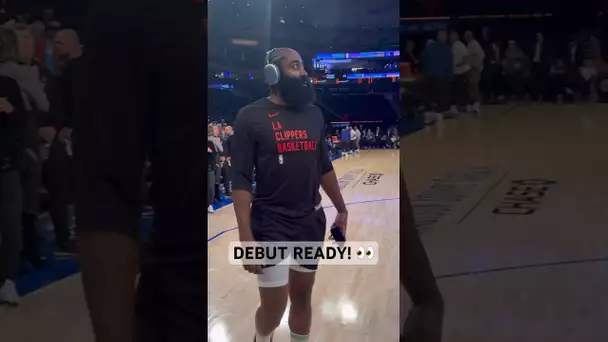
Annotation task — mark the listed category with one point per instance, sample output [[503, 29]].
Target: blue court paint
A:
[[221, 233], [57, 268]]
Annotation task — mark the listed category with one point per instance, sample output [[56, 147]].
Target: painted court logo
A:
[[445, 193], [349, 177], [524, 197], [304, 253], [372, 178]]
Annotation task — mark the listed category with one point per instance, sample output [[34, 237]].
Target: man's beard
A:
[[297, 92]]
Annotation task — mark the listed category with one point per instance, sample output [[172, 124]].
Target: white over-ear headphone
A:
[[272, 74]]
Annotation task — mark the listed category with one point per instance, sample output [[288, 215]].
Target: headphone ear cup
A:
[[271, 74]]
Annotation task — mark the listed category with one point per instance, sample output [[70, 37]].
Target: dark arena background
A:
[[506, 188], [350, 48], [518, 20]]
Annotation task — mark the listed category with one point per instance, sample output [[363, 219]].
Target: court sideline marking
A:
[[324, 207], [483, 197], [522, 267]]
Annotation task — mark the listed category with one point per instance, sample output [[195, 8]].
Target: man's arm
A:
[[242, 161]]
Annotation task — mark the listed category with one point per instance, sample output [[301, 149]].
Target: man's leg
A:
[[301, 282], [274, 290]]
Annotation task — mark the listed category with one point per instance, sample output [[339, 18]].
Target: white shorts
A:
[[278, 276]]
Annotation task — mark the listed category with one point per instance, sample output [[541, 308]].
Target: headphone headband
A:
[[269, 55], [272, 73]]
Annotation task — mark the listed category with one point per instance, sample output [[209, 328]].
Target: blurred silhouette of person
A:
[[425, 319]]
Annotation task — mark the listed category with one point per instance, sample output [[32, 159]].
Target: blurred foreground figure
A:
[[143, 99], [425, 318]]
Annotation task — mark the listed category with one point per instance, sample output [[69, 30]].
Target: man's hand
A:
[[5, 106], [248, 238], [341, 221], [47, 134], [253, 269]]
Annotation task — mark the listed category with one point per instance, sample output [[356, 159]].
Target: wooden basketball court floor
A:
[[513, 211], [350, 303]]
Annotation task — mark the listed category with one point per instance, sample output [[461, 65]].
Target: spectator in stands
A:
[[353, 139], [558, 86], [437, 69], [492, 75], [226, 165], [214, 148], [345, 140], [460, 80], [539, 68], [476, 61], [215, 138], [39, 32], [573, 58], [357, 139], [410, 56], [12, 155], [489, 65], [48, 17], [5, 15], [16, 63], [515, 66], [589, 74], [66, 47], [372, 138], [57, 168]]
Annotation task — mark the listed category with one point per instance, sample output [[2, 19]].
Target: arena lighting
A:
[[348, 122], [245, 42], [357, 55], [488, 16]]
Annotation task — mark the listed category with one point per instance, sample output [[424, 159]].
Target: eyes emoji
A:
[[362, 252]]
